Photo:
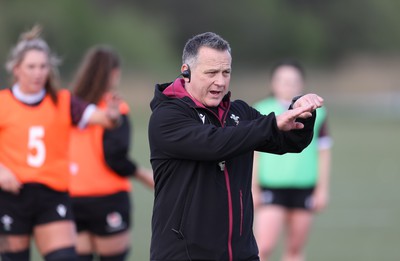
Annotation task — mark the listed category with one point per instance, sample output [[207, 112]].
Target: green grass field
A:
[[362, 222], [363, 219]]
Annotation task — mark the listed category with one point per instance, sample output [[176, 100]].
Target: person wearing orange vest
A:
[[101, 167], [35, 123]]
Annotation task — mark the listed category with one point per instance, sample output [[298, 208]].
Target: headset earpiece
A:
[[186, 73]]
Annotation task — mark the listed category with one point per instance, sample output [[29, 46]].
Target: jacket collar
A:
[[177, 90]]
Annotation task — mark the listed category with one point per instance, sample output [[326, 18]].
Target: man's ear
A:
[[185, 72]]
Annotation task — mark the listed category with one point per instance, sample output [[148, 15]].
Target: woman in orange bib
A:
[[101, 167], [35, 123]]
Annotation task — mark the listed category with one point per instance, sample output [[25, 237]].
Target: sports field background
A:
[[356, 59], [362, 222]]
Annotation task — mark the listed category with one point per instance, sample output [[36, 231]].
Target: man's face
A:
[[210, 76]]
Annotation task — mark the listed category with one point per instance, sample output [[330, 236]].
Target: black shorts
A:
[[290, 198], [35, 204], [105, 215]]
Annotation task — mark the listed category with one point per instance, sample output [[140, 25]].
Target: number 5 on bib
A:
[[37, 149]]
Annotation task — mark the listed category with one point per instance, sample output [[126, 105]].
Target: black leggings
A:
[[16, 256], [64, 254]]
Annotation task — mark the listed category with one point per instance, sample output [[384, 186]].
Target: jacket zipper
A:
[[223, 167], [228, 187]]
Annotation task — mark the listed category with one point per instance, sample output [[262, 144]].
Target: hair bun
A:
[[34, 33]]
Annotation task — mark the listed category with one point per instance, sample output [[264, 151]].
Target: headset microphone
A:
[[186, 74]]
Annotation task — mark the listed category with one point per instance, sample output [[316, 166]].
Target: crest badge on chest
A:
[[235, 118]]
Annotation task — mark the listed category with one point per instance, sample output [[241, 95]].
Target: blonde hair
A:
[[31, 40]]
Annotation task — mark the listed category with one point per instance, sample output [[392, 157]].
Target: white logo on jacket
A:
[[235, 118], [202, 117]]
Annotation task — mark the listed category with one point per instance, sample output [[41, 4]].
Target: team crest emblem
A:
[[202, 117], [114, 220], [235, 118], [7, 221], [73, 168], [61, 210]]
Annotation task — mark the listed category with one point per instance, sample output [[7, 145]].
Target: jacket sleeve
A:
[[283, 141], [177, 132], [116, 149], [295, 140]]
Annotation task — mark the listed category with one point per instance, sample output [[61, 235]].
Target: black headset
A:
[[186, 73]]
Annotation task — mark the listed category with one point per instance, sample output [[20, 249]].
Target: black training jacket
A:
[[202, 163]]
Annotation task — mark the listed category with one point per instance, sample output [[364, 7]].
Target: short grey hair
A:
[[208, 39]]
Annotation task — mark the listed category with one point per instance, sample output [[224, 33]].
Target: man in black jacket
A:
[[202, 148]]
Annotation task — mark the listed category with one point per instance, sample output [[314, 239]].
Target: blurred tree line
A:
[[150, 34]]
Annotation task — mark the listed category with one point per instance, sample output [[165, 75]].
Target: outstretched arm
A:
[[116, 144], [110, 117]]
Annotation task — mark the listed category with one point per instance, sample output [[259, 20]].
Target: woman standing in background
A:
[[101, 167], [289, 188], [35, 123]]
